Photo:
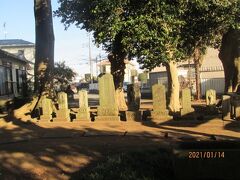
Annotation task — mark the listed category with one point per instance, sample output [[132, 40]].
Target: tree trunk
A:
[[173, 86], [116, 59], [236, 77], [230, 56], [44, 54], [197, 59], [44, 45], [118, 71]]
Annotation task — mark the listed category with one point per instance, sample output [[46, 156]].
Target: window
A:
[[2, 81], [6, 84], [21, 79]]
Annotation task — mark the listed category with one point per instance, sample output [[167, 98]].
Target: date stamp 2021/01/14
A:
[[206, 154]]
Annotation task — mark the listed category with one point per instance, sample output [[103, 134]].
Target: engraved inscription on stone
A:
[[46, 109], [84, 110], [133, 96], [108, 109], [159, 102], [63, 113], [186, 102]]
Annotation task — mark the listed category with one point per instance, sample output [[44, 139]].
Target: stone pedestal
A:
[[108, 109], [133, 115], [107, 118], [83, 114], [160, 115], [107, 113], [62, 115], [186, 110]]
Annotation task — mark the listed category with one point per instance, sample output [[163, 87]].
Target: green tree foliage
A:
[[156, 32], [104, 20], [62, 75], [87, 77], [206, 22], [143, 77]]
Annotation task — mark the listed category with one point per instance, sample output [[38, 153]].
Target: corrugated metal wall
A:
[[213, 83]]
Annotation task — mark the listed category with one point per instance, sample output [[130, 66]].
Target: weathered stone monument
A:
[[235, 105], [211, 101], [186, 109], [210, 97], [134, 74], [47, 110], [134, 99], [226, 107], [108, 109], [160, 110], [63, 113], [84, 110]]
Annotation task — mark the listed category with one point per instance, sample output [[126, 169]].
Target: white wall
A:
[[29, 53], [93, 86]]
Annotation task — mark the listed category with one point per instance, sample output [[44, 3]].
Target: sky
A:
[[71, 45]]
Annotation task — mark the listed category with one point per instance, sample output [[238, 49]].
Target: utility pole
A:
[[189, 75], [4, 30], [90, 59], [96, 67], [98, 59]]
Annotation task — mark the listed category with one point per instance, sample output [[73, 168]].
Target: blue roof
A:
[[14, 42]]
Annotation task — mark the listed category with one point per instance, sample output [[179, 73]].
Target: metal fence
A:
[[212, 83]]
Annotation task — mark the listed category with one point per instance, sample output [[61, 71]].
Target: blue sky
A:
[[71, 46]]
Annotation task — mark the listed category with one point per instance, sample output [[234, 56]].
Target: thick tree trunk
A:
[[197, 59], [173, 87], [230, 56], [116, 59], [118, 71], [236, 76], [44, 55]]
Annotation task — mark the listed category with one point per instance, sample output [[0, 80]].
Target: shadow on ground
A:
[[30, 151]]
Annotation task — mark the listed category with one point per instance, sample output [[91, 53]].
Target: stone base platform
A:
[[160, 115], [62, 115], [133, 115], [187, 114], [45, 118], [107, 118]]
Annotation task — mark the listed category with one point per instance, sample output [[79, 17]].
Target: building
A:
[[12, 74], [130, 70], [211, 73], [22, 49]]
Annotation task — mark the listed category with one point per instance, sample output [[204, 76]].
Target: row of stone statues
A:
[[108, 109]]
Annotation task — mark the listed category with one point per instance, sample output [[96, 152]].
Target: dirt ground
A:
[[56, 150]]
